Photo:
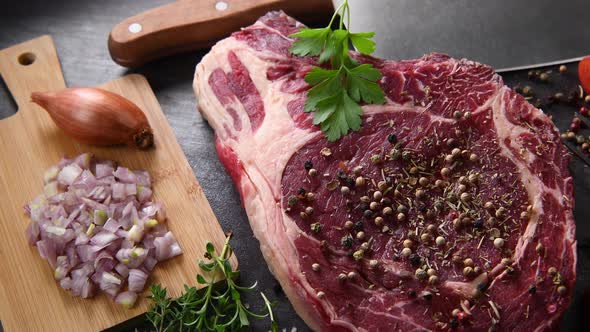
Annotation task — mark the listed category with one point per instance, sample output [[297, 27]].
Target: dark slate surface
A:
[[501, 33]]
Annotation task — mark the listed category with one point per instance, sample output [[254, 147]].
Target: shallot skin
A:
[[97, 117]]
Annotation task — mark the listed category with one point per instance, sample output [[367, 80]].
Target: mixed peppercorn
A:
[[438, 206], [574, 97]]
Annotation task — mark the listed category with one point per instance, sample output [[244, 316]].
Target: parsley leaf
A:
[[362, 41], [341, 113], [310, 42], [336, 93], [362, 86]]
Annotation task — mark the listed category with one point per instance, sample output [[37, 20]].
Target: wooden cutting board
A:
[[30, 299]]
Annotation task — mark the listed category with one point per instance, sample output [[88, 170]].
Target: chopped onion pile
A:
[[97, 227]]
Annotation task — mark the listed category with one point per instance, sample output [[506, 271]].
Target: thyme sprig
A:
[[217, 307]]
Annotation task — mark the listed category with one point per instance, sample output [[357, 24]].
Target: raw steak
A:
[[451, 208]]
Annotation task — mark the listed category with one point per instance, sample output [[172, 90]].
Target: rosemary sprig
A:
[[217, 307]]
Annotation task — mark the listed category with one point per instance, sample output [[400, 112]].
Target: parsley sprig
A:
[[337, 92], [217, 307]]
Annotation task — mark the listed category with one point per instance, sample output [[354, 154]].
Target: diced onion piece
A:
[[110, 278], [109, 283], [100, 217], [111, 225], [102, 257], [122, 270], [62, 269], [103, 170], [55, 230], [103, 239], [82, 238], [135, 233], [137, 279], [88, 289], [50, 189], [33, 232], [97, 228], [151, 223], [124, 175], [90, 230], [47, 251], [69, 174], [166, 247], [126, 299], [132, 257], [50, 174], [83, 160], [150, 263], [86, 253], [143, 193], [66, 283], [143, 178], [122, 190]]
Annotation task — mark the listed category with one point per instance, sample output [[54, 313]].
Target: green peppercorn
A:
[[292, 200], [358, 255], [375, 159], [402, 208], [421, 274], [346, 241], [527, 90], [406, 155], [316, 227]]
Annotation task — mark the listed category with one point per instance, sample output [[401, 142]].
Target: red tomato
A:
[[584, 73]]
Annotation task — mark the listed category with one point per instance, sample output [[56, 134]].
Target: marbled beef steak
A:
[[451, 208]]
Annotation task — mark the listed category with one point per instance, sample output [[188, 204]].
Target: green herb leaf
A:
[[362, 86], [210, 248], [201, 279], [317, 75], [311, 41], [362, 42], [336, 93], [215, 307], [274, 327], [322, 91]]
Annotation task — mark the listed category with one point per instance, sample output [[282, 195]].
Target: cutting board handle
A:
[[31, 66], [191, 24]]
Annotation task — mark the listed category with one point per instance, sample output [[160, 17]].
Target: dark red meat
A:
[[450, 210]]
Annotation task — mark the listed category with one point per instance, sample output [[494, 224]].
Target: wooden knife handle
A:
[[191, 24]]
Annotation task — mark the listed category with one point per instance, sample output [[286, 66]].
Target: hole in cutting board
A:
[[8, 105], [27, 58]]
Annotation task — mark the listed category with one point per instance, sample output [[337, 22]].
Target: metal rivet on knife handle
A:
[[135, 28], [221, 5]]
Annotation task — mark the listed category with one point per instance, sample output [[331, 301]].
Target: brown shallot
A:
[[97, 117]]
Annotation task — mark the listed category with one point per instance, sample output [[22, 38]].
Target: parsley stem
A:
[[344, 11], [336, 12], [347, 16]]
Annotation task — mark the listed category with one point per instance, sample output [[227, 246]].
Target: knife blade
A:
[[501, 33], [191, 24], [540, 65]]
